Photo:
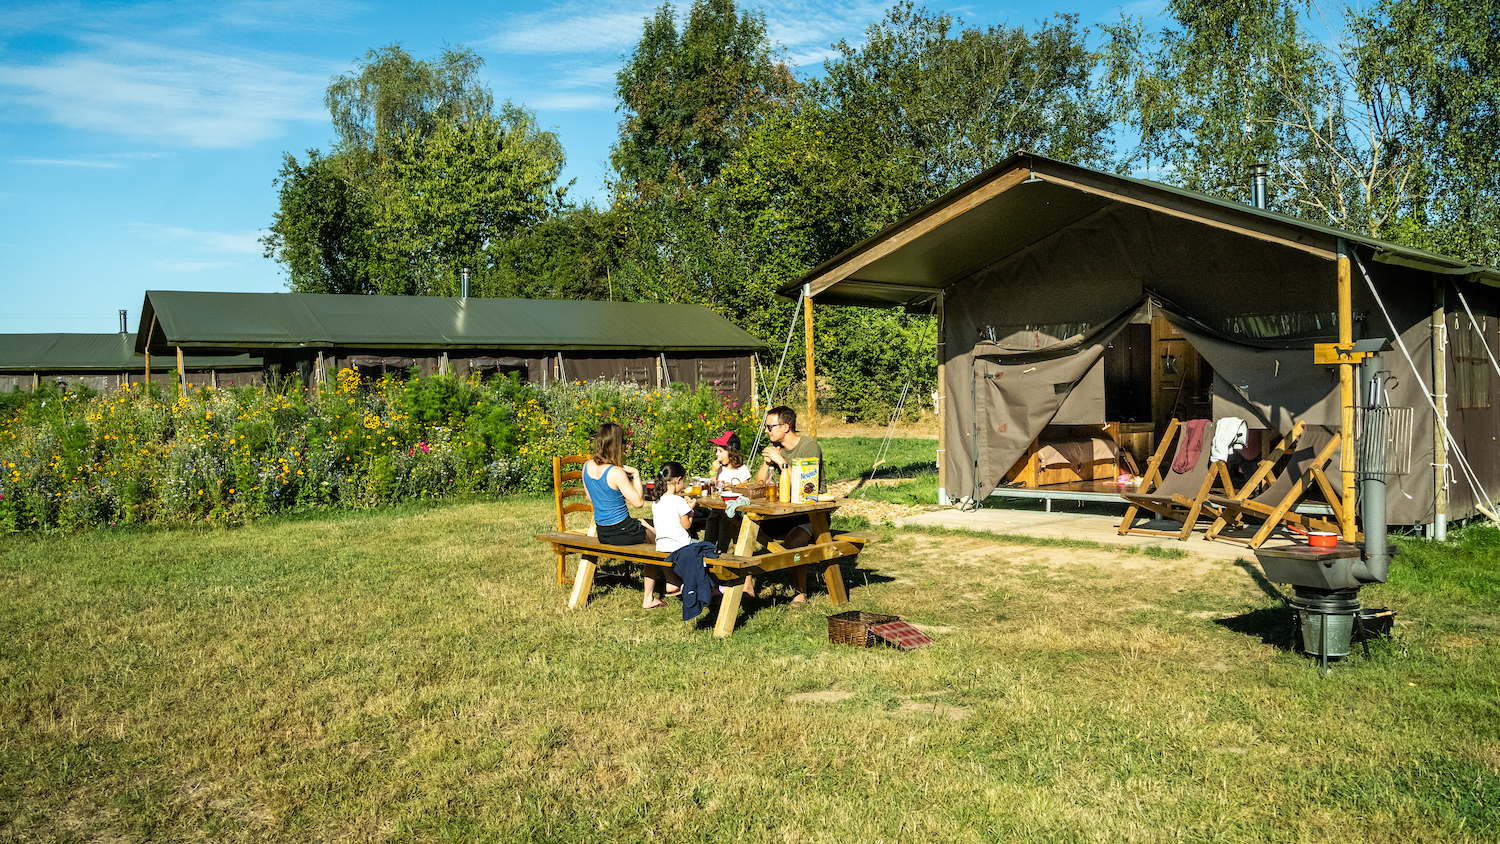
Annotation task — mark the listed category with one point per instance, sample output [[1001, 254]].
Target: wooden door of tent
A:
[[1181, 380]]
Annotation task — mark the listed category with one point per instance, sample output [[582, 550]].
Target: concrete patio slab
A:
[[1088, 527]]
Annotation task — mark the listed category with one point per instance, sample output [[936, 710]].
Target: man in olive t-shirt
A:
[[787, 445]]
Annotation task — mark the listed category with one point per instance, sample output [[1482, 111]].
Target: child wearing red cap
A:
[[729, 462], [728, 468]]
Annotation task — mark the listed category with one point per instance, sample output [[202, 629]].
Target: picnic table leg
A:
[[729, 608], [835, 580], [821, 533], [832, 577], [583, 581], [744, 544]]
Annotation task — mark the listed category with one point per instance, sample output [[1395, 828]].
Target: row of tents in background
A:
[[239, 339]]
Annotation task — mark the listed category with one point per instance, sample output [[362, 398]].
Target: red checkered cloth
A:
[[901, 634]]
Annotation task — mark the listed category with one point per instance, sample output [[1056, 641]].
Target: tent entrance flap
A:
[[1273, 388], [1027, 380]]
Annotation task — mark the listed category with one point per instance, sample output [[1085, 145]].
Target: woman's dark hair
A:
[[609, 445], [736, 457], [669, 471]]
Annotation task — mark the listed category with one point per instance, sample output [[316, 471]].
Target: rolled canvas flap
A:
[[1275, 386], [1017, 394]]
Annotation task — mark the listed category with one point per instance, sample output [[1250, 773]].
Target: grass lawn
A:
[[412, 674]]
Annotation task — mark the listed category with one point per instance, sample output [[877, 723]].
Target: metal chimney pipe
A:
[[1377, 558], [464, 284], [122, 322], [1258, 184]]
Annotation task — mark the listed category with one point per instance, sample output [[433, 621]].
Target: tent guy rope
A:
[[1463, 462]]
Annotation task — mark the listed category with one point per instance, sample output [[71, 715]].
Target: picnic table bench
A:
[[754, 550]]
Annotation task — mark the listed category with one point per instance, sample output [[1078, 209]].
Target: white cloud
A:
[[68, 162], [189, 266], [193, 97], [290, 14], [573, 28], [238, 243]]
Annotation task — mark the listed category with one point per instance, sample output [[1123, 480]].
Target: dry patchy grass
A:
[[414, 675]]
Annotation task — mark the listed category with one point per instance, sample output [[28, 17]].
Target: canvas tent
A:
[[103, 362], [309, 336], [1071, 296]]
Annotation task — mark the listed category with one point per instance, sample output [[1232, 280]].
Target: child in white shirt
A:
[[672, 514], [729, 462], [728, 468]]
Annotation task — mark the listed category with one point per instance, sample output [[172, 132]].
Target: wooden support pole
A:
[[812, 378], [941, 408], [1346, 389], [149, 331], [1440, 400], [754, 386], [181, 375]]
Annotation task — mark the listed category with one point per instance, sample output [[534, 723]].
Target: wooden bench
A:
[[730, 569]]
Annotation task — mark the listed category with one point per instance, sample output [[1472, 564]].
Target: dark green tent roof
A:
[[1027, 198], [295, 320], [82, 352]]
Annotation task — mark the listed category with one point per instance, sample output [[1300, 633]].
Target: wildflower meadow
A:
[[75, 460]]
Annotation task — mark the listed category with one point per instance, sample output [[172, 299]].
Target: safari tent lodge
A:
[[1081, 311]]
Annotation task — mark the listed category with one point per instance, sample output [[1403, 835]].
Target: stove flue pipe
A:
[[1377, 557]]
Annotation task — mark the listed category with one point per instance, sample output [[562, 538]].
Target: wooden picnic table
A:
[[755, 551]]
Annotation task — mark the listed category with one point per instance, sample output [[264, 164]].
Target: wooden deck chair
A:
[[562, 493], [1313, 446], [1173, 496]]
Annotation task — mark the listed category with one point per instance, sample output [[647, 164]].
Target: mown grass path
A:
[[412, 674]]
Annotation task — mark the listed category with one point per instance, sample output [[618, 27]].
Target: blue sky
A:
[[139, 140]]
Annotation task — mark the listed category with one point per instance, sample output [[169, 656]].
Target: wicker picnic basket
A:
[[752, 491], [853, 627]]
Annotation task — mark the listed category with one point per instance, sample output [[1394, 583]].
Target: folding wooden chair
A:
[[1172, 496], [561, 494], [1314, 446]]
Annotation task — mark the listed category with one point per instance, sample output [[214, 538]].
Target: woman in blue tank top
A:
[[613, 488]]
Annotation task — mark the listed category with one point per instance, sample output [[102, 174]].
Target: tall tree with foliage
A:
[[690, 98], [395, 96], [1217, 93], [1442, 60], [955, 100], [323, 233], [427, 178], [1386, 125], [444, 199]]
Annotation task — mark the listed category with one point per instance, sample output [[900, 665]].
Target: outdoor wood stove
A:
[[1326, 581]]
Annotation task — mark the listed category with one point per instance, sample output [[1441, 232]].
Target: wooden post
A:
[[754, 387], [181, 375], [812, 379], [941, 408], [1346, 389], [1440, 399], [149, 331]]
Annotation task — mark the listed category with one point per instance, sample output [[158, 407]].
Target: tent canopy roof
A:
[[298, 320], [1027, 198], [83, 352]]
